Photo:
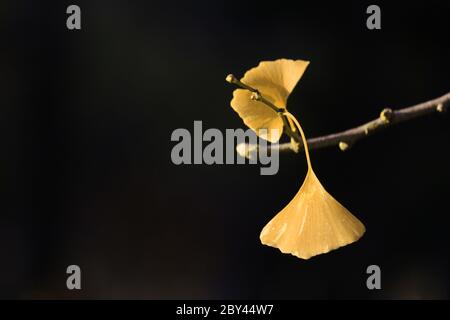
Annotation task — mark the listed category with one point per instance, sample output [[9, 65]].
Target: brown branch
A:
[[346, 139]]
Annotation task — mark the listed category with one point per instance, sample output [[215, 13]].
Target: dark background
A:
[[86, 176]]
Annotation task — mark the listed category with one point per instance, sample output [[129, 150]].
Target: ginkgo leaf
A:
[[312, 223], [275, 80], [257, 116]]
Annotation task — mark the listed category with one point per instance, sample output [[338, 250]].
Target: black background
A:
[[86, 176]]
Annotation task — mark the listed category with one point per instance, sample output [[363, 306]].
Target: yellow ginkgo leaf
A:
[[312, 223], [275, 80]]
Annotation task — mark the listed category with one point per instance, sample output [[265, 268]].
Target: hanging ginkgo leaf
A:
[[312, 223]]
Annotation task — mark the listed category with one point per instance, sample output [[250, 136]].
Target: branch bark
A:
[[346, 139]]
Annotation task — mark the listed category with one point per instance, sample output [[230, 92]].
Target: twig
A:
[[387, 118], [346, 139]]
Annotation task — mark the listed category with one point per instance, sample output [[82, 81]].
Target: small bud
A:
[[440, 107], [344, 146], [295, 146], [255, 96], [246, 150], [230, 78], [386, 115]]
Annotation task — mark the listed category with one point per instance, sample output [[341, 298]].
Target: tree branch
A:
[[346, 139]]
